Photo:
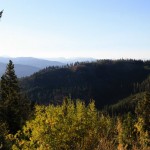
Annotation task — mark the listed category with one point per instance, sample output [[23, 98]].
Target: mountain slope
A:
[[30, 61], [125, 105], [21, 70], [105, 81]]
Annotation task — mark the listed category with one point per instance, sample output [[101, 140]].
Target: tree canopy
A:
[[14, 107]]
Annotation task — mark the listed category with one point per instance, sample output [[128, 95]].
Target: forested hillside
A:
[[125, 105], [54, 92], [74, 124], [105, 81]]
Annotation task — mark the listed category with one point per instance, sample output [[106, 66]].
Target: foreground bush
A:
[[70, 126], [75, 126]]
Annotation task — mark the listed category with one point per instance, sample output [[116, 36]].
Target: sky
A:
[[102, 29]]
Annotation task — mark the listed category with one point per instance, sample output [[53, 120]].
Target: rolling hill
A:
[[125, 105], [30, 61], [21, 70], [105, 81], [26, 66]]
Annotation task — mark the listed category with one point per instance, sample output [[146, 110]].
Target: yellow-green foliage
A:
[[3, 133], [126, 132], [70, 126], [75, 126]]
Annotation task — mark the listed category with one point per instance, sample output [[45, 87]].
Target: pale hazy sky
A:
[[75, 28]]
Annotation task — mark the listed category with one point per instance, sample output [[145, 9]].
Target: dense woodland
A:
[[102, 105], [105, 81]]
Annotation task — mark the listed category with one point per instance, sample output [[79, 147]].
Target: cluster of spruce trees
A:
[[71, 125], [14, 107]]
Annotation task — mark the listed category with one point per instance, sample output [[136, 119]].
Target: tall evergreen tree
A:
[[14, 108]]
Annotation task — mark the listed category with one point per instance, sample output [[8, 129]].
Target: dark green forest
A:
[[102, 105], [105, 81]]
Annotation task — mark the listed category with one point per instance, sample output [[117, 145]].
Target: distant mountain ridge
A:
[[45, 62], [72, 60], [26, 66], [20, 70], [30, 61]]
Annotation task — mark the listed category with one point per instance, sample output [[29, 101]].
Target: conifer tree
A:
[[143, 124], [14, 108], [143, 111]]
